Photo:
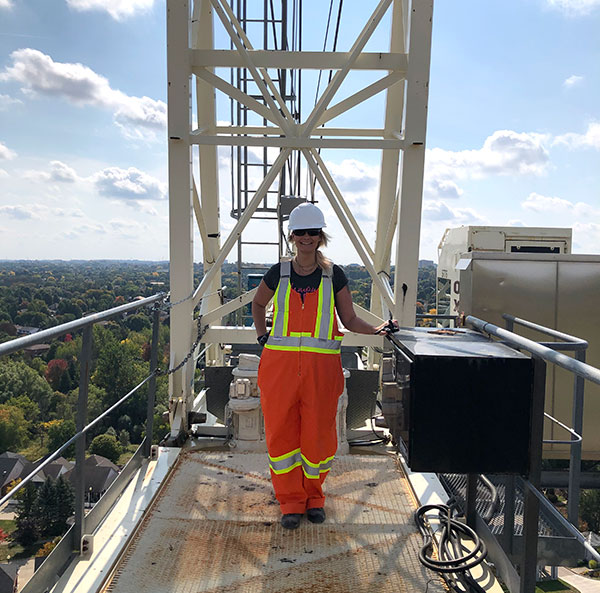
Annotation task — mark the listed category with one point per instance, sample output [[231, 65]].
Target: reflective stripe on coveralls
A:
[[286, 463], [322, 341]]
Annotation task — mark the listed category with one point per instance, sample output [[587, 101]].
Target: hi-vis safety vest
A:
[[322, 338]]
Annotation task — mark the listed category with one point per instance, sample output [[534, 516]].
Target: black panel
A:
[[217, 380], [362, 387], [470, 415], [469, 402]]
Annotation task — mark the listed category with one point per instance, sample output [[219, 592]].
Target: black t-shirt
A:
[[304, 284]]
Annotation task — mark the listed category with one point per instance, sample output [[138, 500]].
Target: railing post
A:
[[509, 514], [575, 462], [85, 360], [528, 564], [471, 500], [152, 382]]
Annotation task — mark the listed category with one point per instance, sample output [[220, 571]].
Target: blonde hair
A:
[[322, 260]]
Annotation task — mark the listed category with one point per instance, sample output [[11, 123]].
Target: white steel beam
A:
[[342, 203], [383, 287], [294, 142], [229, 307], [341, 74], [180, 205], [227, 334], [275, 131], [411, 192], [206, 246], [241, 42], [305, 60], [202, 37], [236, 94], [360, 97], [242, 222], [387, 210]]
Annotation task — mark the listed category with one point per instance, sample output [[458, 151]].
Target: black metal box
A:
[[469, 402]]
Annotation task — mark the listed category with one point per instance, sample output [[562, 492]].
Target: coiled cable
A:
[[454, 560]]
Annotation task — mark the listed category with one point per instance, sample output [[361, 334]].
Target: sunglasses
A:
[[302, 232]]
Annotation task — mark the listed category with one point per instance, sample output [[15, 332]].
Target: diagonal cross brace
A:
[[340, 75], [241, 223], [383, 288], [242, 44]]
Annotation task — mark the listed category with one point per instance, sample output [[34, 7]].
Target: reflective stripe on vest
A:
[[323, 342], [287, 462]]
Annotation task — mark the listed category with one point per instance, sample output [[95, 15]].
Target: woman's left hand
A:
[[388, 327]]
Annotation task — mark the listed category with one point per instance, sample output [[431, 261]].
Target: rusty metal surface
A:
[[215, 529]]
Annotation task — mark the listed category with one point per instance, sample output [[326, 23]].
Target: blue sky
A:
[[513, 130]]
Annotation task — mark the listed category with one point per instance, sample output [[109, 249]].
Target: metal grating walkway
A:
[[215, 528]]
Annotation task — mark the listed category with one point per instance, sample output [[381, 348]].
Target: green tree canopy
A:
[[589, 509], [13, 428], [107, 446], [17, 379]]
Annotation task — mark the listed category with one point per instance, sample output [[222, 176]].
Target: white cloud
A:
[[515, 222], [547, 204], [505, 152], [58, 172], [6, 4], [128, 184], [6, 153], [6, 101], [38, 73], [19, 212], [118, 9], [575, 7], [591, 138], [586, 237], [572, 81], [438, 211], [129, 229], [3, 174]]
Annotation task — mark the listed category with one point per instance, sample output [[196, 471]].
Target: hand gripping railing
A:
[[45, 576]]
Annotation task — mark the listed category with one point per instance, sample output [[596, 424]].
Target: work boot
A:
[[291, 521], [316, 515]]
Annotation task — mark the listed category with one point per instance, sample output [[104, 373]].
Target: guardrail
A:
[[579, 347], [542, 353], [45, 576]]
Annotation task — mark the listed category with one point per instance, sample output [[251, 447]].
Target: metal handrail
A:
[[581, 369], [64, 328], [578, 438], [46, 575], [573, 343], [56, 453]]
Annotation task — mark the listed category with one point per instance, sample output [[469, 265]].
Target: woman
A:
[[300, 374]]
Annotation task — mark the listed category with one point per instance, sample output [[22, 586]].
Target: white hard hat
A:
[[306, 216]]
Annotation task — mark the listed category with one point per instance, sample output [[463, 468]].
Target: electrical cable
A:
[[380, 438], [454, 559]]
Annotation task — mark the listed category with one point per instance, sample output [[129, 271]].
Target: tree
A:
[[59, 432], [13, 428], [124, 439], [16, 379], [65, 504], [106, 445], [589, 509], [46, 507], [55, 370], [26, 519]]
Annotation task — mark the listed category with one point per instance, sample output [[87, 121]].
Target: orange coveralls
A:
[[300, 378]]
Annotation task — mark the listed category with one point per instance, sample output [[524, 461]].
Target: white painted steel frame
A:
[[405, 80]]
